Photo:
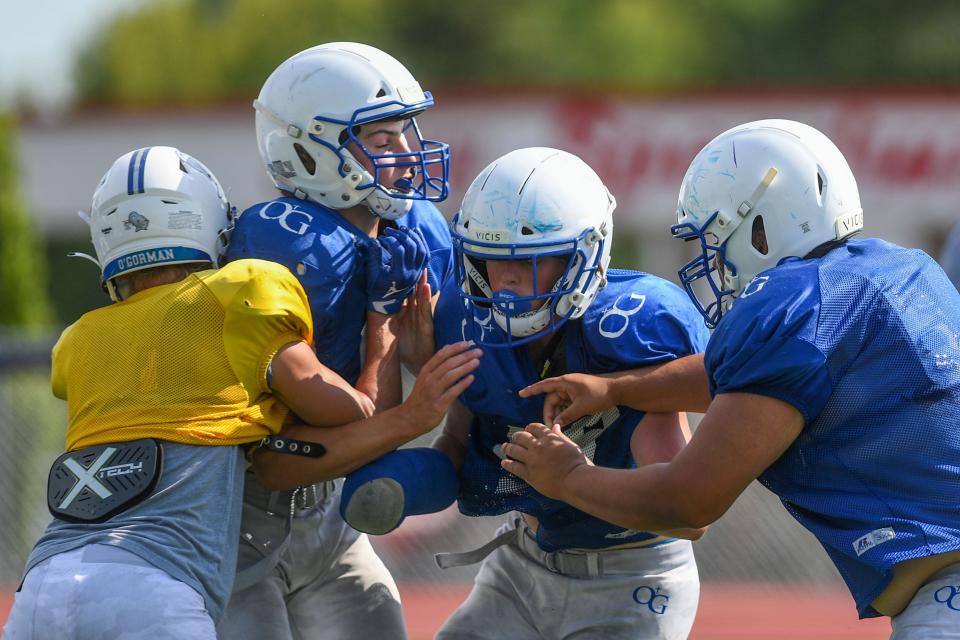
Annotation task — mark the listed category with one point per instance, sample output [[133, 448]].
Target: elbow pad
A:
[[378, 496]]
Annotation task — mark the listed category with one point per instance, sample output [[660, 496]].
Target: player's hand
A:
[[543, 457], [415, 331], [571, 396], [394, 264], [441, 380]]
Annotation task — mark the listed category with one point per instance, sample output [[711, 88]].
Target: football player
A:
[[532, 246], [833, 377], [356, 223], [161, 387]]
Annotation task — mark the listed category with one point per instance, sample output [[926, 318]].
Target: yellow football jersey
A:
[[185, 362]]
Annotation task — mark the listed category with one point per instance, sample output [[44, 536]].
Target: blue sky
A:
[[39, 41]]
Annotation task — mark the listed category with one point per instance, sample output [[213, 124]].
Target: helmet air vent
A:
[[305, 158], [487, 179], [758, 236], [534, 170]]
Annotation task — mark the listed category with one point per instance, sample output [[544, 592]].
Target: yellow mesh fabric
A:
[[184, 362]]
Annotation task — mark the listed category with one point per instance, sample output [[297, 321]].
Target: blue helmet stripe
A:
[[143, 164], [133, 163], [153, 257]]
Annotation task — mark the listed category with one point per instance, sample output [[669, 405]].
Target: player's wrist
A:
[[576, 477], [409, 423], [614, 390], [380, 322]]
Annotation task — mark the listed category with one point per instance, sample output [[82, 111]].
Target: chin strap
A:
[[86, 256], [280, 444]]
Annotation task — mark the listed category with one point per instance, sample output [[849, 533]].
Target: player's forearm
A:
[[347, 447], [678, 385], [318, 394], [643, 499], [322, 404], [453, 438], [453, 448], [380, 377]]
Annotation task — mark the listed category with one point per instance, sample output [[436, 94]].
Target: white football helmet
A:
[[310, 108], [157, 206], [525, 205], [758, 194]]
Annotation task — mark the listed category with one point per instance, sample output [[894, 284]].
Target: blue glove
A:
[[394, 262]]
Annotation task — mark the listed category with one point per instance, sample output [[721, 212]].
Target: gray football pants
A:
[[100, 591], [934, 612], [640, 593], [329, 584]]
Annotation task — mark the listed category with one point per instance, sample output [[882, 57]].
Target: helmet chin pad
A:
[[523, 316]]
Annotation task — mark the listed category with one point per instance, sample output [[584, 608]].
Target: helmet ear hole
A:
[[758, 236], [305, 158]]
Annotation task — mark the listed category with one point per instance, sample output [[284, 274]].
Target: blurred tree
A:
[[23, 276], [827, 42], [202, 51], [26, 415], [189, 51]]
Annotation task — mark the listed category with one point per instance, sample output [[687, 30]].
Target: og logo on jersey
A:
[[287, 215]]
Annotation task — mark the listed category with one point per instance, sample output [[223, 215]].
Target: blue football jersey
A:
[[320, 247], [863, 342], [636, 320]]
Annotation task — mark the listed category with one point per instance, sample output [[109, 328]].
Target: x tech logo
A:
[[86, 477]]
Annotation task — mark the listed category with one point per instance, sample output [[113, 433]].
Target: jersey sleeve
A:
[[447, 319], [643, 321], [766, 343], [428, 219], [265, 308], [60, 365], [306, 241]]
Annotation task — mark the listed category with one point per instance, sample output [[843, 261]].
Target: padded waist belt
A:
[[574, 563], [96, 483], [569, 563], [280, 503]]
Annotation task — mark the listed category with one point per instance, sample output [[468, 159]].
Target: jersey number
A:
[[615, 320]]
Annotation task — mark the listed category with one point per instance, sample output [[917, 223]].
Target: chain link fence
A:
[[756, 541], [32, 423]]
